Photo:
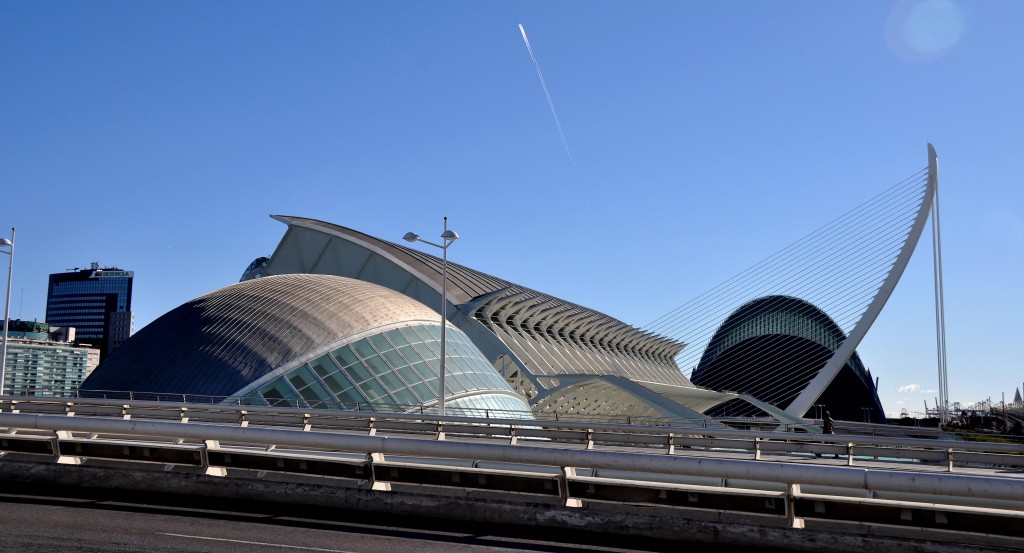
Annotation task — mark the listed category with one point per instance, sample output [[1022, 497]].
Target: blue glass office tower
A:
[[97, 302]]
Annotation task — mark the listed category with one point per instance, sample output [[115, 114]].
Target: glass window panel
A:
[[323, 366], [279, 394], [411, 379], [410, 335], [407, 374], [455, 347], [394, 359], [453, 383], [350, 398], [434, 331], [426, 369], [421, 332], [475, 380], [398, 389], [380, 343], [358, 373], [301, 377], [410, 354], [374, 392], [345, 356], [494, 381], [317, 396], [391, 382], [424, 392], [396, 338], [377, 365], [337, 381], [363, 348], [426, 352], [455, 364]]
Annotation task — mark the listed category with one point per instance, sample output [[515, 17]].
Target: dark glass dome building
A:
[[772, 347], [306, 340]]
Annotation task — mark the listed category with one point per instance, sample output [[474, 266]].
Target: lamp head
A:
[[5, 242], [450, 235], [411, 237]]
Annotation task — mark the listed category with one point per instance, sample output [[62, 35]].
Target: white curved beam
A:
[[803, 402]]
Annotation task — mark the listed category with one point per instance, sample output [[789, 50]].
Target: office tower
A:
[[97, 302]]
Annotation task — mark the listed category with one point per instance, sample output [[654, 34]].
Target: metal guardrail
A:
[[792, 492], [855, 449], [383, 407]]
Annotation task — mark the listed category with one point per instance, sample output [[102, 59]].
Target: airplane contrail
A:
[[547, 94]]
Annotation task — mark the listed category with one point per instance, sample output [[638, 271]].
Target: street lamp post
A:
[[447, 237], [5, 243]]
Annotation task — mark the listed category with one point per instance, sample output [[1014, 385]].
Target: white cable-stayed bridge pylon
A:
[[846, 269]]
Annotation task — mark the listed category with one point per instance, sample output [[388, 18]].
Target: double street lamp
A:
[[447, 237], [5, 243]]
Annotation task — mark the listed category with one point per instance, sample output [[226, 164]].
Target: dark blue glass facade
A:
[[97, 302]]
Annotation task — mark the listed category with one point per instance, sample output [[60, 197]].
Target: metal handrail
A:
[[558, 431]]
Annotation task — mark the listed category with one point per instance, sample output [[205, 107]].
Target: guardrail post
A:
[[671, 443], [792, 491], [205, 455], [183, 415], [949, 460], [849, 454], [64, 459], [371, 425], [566, 474], [125, 415], [440, 430], [307, 422], [590, 438], [242, 420], [371, 460], [512, 438]]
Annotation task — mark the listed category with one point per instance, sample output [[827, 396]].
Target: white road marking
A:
[[255, 543]]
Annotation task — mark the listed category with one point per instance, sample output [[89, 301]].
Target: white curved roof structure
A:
[[541, 334]]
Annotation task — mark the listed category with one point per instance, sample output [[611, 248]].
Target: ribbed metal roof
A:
[[464, 283], [489, 298], [218, 343]]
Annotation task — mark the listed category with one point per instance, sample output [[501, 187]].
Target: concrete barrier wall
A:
[[245, 488]]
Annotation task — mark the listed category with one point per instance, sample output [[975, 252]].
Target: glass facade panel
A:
[[433, 332], [427, 370], [396, 338], [426, 352], [323, 367], [359, 373], [394, 359], [345, 356], [279, 394], [380, 343], [396, 370], [374, 392], [377, 365], [311, 389]]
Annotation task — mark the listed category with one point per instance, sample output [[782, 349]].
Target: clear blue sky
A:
[[159, 136]]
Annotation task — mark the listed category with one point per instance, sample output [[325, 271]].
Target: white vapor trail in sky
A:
[[547, 94]]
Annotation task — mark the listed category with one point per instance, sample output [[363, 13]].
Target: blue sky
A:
[[159, 136]]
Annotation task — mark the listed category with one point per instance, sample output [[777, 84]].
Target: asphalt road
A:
[[46, 521]]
